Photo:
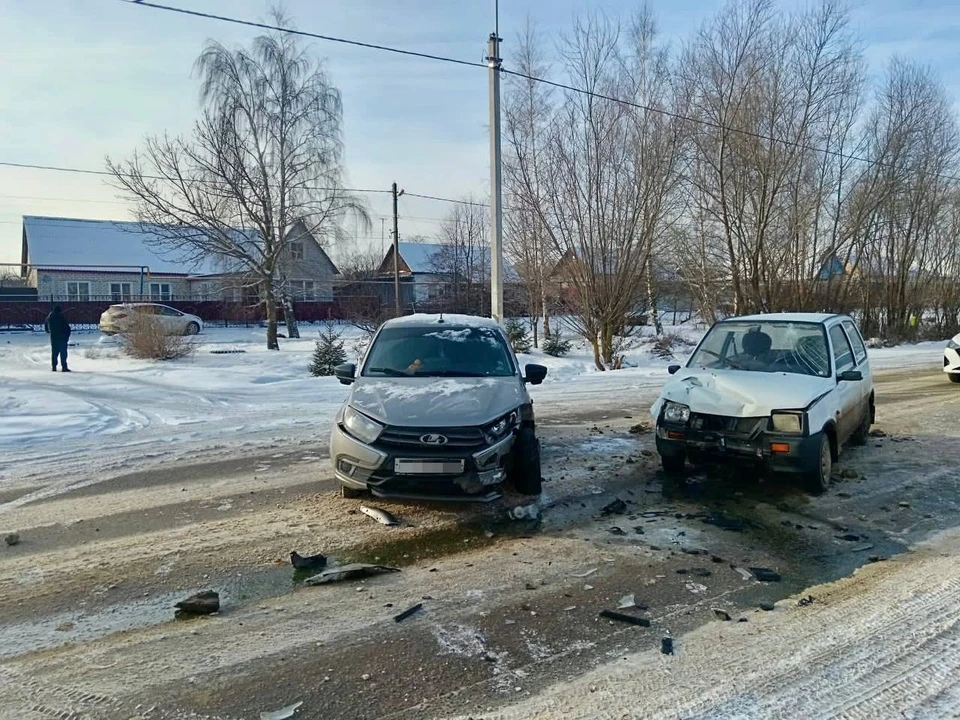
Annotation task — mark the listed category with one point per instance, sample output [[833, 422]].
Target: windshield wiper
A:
[[448, 373], [388, 371], [721, 358]]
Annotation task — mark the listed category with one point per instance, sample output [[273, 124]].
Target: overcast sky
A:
[[83, 80]]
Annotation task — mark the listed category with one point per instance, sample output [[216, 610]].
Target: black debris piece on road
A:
[[666, 646], [12, 539], [903, 504], [765, 574], [638, 529], [346, 572], [308, 562], [616, 531], [725, 523], [716, 559], [617, 507], [206, 602], [876, 558], [767, 607], [804, 601], [849, 537], [701, 572], [624, 618], [844, 495], [722, 614], [743, 619], [407, 613]]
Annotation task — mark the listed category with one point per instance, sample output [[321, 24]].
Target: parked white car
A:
[[781, 391], [116, 318], [951, 359]]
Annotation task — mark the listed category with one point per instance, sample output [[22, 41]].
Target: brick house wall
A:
[[78, 285]]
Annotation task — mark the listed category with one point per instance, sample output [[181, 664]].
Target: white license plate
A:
[[428, 467]]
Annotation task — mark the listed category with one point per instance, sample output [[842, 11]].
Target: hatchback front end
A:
[[951, 359]]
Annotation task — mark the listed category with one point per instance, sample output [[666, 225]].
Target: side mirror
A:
[[534, 374], [850, 376], [345, 373], [673, 369]]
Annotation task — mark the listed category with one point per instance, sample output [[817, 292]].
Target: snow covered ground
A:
[[116, 413]]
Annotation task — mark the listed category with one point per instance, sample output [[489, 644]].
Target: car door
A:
[[847, 401], [862, 364], [172, 320]]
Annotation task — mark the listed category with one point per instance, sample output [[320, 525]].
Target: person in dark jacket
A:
[[59, 330]]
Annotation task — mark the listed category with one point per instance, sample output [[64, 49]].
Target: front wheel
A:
[[192, 329], [525, 472], [673, 465], [818, 478]]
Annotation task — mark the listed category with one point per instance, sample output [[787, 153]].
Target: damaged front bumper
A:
[[717, 439], [423, 473]]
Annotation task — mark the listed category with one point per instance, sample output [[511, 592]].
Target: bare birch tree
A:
[[266, 153]]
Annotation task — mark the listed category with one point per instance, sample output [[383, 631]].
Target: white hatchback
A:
[[951, 359], [781, 391], [117, 318]]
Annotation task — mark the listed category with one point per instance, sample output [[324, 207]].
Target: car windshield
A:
[[439, 352], [790, 347]]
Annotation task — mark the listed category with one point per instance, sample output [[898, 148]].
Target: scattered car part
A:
[[765, 574], [308, 562], [621, 617], [585, 573], [627, 601], [381, 516], [804, 601], [407, 613], [12, 539], [347, 572], [206, 602], [617, 507], [722, 614], [767, 607], [616, 530], [282, 713], [666, 646]]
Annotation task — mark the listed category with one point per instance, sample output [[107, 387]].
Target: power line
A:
[[303, 33], [89, 171], [444, 199], [533, 78]]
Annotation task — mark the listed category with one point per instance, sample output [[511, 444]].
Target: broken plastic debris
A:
[[283, 713], [721, 614], [765, 574], [621, 617], [525, 512], [307, 562], [407, 613], [696, 588], [617, 507], [666, 646], [744, 573], [203, 603], [345, 572], [627, 601], [585, 573], [381, 516]]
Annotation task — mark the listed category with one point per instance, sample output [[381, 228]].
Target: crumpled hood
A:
[[741, 394], [436, 402]]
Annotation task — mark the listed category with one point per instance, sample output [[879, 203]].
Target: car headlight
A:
[[360, 426], [501, 427], [675, 412], [787, 422], [953, 345]]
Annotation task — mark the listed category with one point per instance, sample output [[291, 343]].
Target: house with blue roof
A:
[[78, 260], [428, 271]]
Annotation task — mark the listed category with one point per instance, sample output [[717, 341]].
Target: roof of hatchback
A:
[[787, 317], [424, 319]]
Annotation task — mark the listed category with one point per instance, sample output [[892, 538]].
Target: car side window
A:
[[842, 353], [859, 349]]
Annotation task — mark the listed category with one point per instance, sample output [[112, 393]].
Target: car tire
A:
[[862, 434], [525, 470], [954, 377], [818, 478], [674, 466], [350, 493], [192, 329]]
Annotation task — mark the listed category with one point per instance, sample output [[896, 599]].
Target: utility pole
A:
[[496, 190], [396, 253]]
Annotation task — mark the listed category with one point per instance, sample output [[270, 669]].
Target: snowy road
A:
[[215, 469]]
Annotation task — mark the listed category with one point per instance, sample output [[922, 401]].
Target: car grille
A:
[[722, 423], [458, 438]]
